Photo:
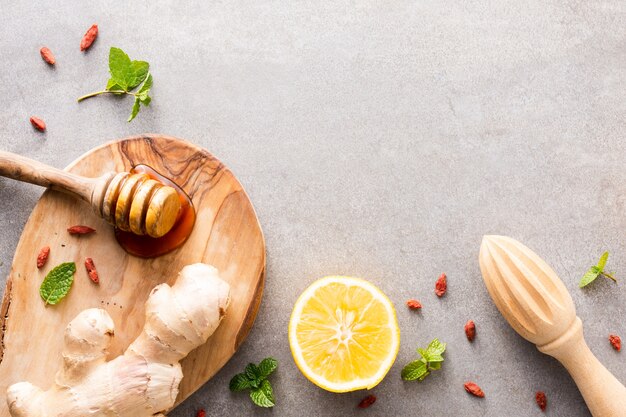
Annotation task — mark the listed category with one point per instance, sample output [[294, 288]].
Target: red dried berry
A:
[[91, 270], [42, 258], [80, 230], [470, 330], [441, 286], [542, 400], [616, 341], [38, 124], [89, 37], [47, 55], [201, 413], [474, 389], [414, 304], [367, 401]]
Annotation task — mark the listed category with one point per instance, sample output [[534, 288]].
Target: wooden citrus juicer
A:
[[534, 301], [132, 202]]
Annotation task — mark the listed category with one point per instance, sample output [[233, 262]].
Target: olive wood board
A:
[[227, 235]]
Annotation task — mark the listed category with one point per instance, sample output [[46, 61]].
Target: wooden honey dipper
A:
[[132, 202], [534, 301]]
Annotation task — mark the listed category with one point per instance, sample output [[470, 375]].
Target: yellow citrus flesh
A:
[[344, 334]]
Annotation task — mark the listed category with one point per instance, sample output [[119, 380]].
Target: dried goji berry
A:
[[470, 330], [47, 56], [38, 124], [616, 341], [91, 270], [441, 286], [414, 304], [80, 230], [89, 37], [201, 413], [367, 401], [43, 256], [542, 400], [474, 389]]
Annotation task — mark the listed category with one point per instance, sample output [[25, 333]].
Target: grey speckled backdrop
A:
[[376, 138]]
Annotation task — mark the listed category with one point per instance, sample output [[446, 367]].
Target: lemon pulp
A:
[[344, 334]]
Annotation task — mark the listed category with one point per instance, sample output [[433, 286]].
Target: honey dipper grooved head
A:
[[162, 211], [138, 204]]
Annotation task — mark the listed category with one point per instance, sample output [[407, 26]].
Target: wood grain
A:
[[227, 235]]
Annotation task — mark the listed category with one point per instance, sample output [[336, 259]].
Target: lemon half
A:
[[344, 334]]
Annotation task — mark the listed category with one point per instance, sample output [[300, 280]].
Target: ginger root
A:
[[143, 382]]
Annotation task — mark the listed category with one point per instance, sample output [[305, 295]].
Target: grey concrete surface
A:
[[376, 138]]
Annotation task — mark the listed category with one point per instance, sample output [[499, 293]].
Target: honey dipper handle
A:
[[24, 169], [604, 394]]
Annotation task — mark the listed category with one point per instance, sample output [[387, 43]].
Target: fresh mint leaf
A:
[[240, 382], [602, 261], [435, 348], [120, 67], [126, 75], [140, 72], [434, 366], [589, 276], [147, 85], [254, 378], [112, 85], [264, 395], [595, 271], [141, 97], [432, 358], [57, 283], [422, 352], [267, 366], [417, 369], [252, 372], [135, 111]]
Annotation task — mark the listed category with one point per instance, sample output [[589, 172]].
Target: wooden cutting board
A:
[[227, 235]]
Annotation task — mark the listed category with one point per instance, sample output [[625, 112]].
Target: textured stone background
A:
[[376, 138]]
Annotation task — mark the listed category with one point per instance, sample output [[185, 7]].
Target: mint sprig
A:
[[431, 360], [595, 271], [56, 285], [254, 378], [126, 75]]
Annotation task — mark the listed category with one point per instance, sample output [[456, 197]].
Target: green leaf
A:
[[135, 109], [239, 382], [57, 283], [589, 276], [252, 372], [146, 86], [417, 369], [267, 366], [435, 359], [120, 67], [254, 378], [432, 358], [602, 261], [126, 75], [142, 97], [113, 86], [140, 72], [435, 348], [263, 396], [434, 366]]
